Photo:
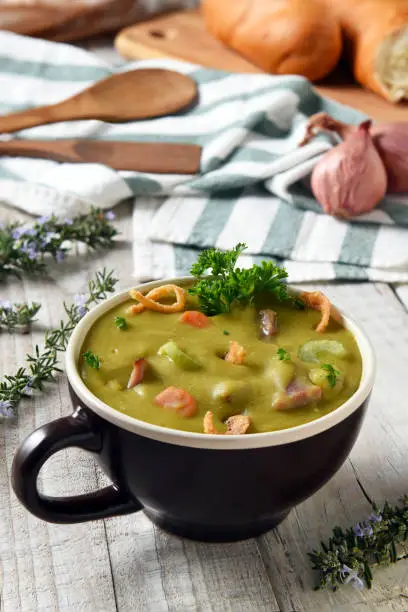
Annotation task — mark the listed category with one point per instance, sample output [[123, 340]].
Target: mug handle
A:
[[74, 430]]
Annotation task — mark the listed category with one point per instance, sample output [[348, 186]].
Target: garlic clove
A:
[[350, 179]]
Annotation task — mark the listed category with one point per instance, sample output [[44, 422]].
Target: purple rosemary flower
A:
[[30, 251], [68, 221], [59, 256], [6, 305], [375, 518], [30, 231], [17, 233], [362, 530], [350, 575], [358, 531], [110, 215], [6, 409], [43, 220], [80, 302]]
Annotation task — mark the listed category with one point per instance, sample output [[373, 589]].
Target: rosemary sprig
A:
[[17, 316], [350, 555], [23, 249], [42, 366]]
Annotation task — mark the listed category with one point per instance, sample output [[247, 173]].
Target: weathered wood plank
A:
[[377, 466], [154, 571], [50, 567]]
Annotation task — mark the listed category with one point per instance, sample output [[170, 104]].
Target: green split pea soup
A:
[[288, 373]]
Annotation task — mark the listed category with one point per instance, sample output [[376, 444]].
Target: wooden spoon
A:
[[159, 157], [137, 94]]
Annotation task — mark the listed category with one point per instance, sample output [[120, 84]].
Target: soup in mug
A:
[[263, 365]]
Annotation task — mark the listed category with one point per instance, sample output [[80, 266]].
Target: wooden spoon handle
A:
[[31, 118], [155, 157]]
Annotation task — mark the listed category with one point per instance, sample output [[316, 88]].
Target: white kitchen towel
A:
[[253, 183]]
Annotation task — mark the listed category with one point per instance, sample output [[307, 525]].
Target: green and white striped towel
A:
[[253, 184]]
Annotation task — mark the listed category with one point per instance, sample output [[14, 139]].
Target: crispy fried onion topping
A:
[[318, 301], [150, 301], [236, 425]]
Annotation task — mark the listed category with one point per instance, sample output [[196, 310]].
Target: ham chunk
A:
[[297, 395], [137, 374], [237, 425], [268, 324]]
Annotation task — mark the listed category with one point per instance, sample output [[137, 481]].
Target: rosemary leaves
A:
[[24, 249], [43, 365], [350, 555]]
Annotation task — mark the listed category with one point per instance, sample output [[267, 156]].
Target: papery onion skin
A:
[[350, 179]]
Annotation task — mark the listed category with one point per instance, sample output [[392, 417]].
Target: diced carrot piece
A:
[[195, 318], [236, 353], [178, 400], [137, 374]]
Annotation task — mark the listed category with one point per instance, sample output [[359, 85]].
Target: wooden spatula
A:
[[137, 94], [159, 157]]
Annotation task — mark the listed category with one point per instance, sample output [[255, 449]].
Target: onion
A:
[[350, 179], [390, 140]]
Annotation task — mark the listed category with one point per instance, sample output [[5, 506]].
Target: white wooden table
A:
[[125, 564]]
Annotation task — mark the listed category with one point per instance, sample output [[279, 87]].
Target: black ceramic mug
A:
[[200, 486]]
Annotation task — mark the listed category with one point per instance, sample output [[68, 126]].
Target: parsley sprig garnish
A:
[[332, 374], [92, 360], [283, 355], [227, 285], [121, 323]]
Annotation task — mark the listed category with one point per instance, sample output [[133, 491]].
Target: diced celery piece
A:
[[178, 356], [281, 373], [310, 350]]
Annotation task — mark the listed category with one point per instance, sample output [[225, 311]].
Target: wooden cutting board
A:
[[182, 35]]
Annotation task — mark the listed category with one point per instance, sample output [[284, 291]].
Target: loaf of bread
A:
[[280, 36], [376, 39], [305, 37]]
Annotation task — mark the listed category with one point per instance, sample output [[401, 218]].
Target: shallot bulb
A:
[[350, 179], [390, 140]]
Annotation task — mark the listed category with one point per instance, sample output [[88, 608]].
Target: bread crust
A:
[[280, 36]]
